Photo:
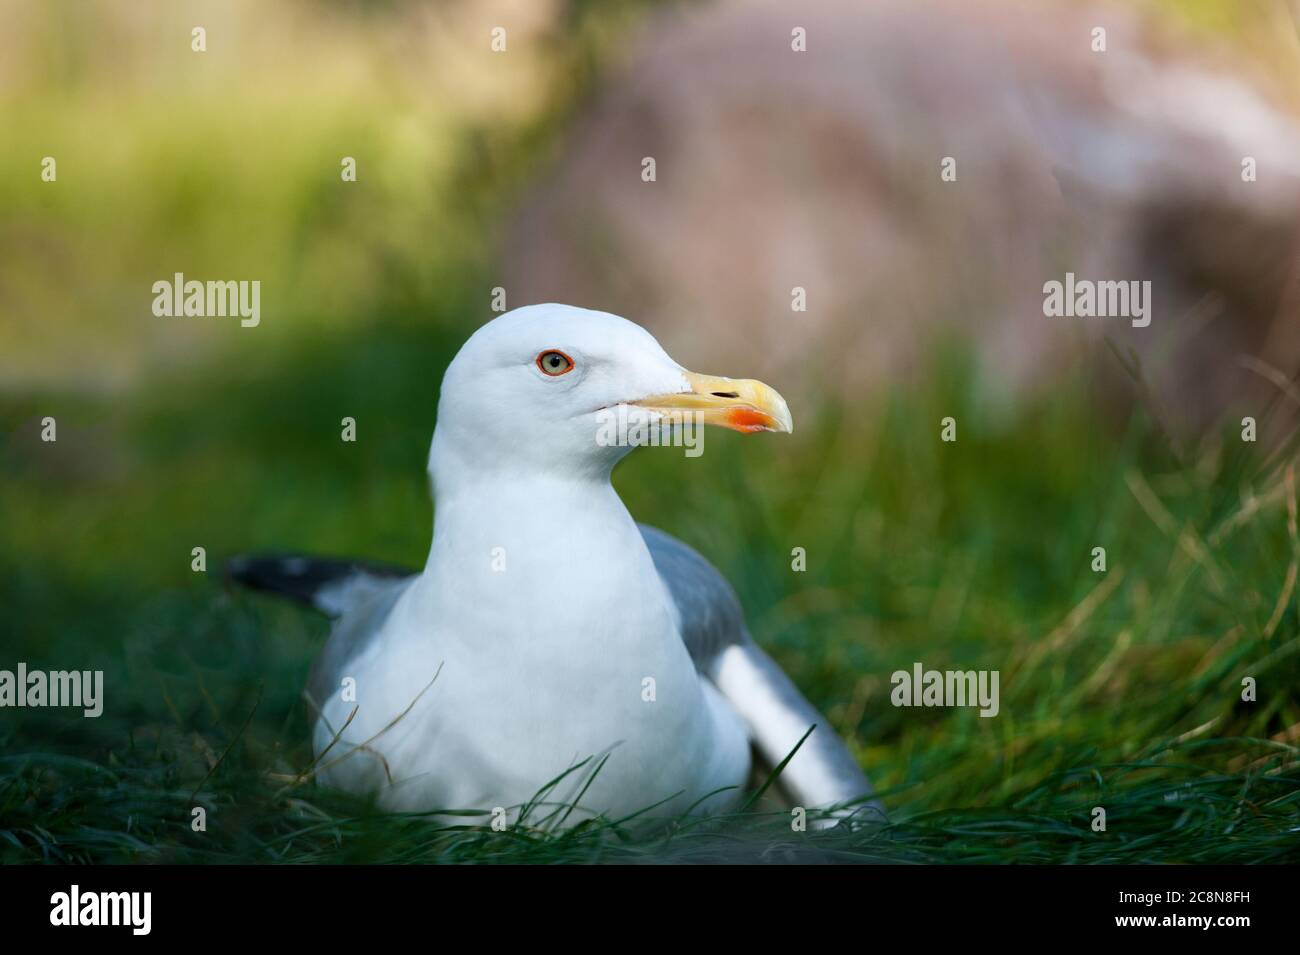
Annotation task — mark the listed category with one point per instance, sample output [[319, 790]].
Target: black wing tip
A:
[[292, 576], [299, 577]]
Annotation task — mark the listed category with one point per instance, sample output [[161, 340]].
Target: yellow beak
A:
[[740, 404]]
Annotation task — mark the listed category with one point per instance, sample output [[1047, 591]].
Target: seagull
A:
[[552, 651]]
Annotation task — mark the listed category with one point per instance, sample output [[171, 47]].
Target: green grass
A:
[[1119, 690]]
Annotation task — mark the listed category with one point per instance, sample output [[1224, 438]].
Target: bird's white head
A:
[[534, 391]]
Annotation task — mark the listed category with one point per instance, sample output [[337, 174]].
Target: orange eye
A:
[[554, 363]]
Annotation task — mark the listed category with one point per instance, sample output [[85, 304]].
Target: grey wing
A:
[[823, 773], [369, 603], [708, 613]]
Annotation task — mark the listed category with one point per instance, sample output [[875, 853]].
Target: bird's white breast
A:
[[552, 643]]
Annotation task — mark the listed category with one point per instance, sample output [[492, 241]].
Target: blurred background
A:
[[775, 169]]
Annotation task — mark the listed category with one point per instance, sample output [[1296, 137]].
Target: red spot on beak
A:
[[748, 420]]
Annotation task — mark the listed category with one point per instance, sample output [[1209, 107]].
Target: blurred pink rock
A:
[[821, 170]]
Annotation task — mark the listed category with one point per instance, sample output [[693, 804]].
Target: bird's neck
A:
[[533, 562], [556, 549], [533, 515]]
